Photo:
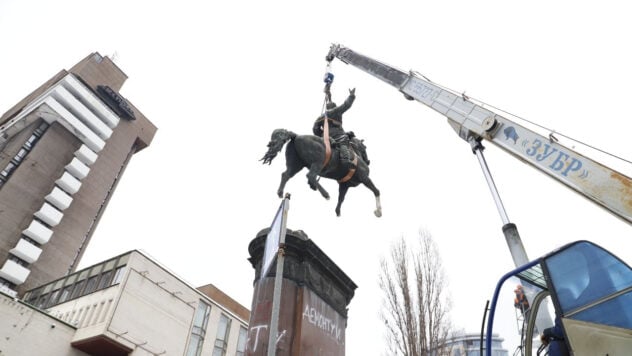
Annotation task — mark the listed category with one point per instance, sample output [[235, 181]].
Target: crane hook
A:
[[329, 76]]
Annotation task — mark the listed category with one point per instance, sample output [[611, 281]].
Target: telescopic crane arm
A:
[[602, 185]]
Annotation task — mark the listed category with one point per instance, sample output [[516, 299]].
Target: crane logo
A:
[[556, 159], [547, 155], [510, 133]]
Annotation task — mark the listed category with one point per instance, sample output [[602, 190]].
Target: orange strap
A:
[[352, 170], [326, 142]]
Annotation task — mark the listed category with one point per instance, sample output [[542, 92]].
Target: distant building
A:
[[127, 305], [63, 149], [470, 345]]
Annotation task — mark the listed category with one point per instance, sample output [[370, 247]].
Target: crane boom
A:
[[603, 185]]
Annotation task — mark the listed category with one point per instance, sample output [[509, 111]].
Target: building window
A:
[[77, 291], [91, 286], [198, 331], [31, 297], [19, 157], [8, 170], [221, 341], [118, 275], [6, 284], [30, 240], [18, 260], [105, 280], [65, 294], [41, 302], [53, 297], [241, 341], [78, 284]]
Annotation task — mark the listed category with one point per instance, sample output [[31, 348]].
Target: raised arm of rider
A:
[[339, 110]]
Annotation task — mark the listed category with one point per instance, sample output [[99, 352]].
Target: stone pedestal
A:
[[314, 300]]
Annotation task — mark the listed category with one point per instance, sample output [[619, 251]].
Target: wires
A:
[[550, 131]]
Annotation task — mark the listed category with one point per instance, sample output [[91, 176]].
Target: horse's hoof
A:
[[378, 213], [280, 193]]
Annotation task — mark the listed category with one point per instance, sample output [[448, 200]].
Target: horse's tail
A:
[[278, 139]]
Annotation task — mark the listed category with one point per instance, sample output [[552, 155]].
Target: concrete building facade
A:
[[127, 305], [63, 149], [26, 330]]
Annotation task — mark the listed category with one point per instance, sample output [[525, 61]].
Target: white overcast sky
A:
[[217, 77]]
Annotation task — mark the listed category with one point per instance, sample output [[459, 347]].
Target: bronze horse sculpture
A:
[[309, 151]]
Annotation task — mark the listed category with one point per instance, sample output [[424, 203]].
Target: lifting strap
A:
[[326, 140], [351, 170], [328, 79]]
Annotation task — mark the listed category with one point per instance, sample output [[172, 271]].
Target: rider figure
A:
[[336, 132]]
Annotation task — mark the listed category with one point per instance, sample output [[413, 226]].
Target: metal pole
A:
[[478, 151], [483, 326], [514, 242], [278, 281], [518, 253]]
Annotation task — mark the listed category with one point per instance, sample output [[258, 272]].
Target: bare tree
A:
[[415, 299]]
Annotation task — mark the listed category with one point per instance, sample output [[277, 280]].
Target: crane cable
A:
[[328, 79], [551, 132]]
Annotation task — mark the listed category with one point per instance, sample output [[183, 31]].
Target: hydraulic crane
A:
[[602, 185], [474, 123]]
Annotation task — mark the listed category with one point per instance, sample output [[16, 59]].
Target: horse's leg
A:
[[311, 176], [322, 190], [378, 206], [312, 180], [342, 191], [290, 172], [285, 176]]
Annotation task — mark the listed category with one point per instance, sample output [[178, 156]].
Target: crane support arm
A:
[[602, 185]]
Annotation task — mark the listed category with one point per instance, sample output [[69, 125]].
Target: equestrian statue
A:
[[330, 153]]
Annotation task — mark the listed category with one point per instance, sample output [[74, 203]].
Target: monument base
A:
[[315, 294]]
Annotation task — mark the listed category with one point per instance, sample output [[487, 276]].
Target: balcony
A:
[[74, 106], [64, 117], [102, 345], [86, 155], [88, 99], [77, 168], [49, 215], [14, 273], [68, 183], [38, 232], [59, 199], [26, 251], [81, 112]]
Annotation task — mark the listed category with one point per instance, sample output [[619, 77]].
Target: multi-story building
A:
[[470, 345], [63, 149], [127, 305]]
